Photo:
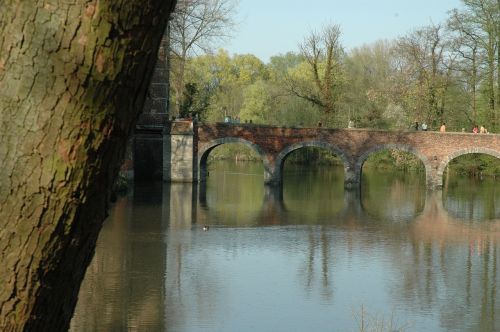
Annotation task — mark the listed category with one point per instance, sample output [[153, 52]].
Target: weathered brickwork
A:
[[145, 148], [353, 146], [157, 97]]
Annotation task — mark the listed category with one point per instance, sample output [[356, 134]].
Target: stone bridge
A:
[[187, 145]]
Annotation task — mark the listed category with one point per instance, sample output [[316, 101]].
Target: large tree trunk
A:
[[73, 77]]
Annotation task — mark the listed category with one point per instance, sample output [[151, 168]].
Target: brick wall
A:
[[354, 142]]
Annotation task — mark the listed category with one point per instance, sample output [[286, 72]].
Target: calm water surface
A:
[[309, 257]]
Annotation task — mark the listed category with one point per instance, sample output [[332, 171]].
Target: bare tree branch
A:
[[323, 52], [197, 26]]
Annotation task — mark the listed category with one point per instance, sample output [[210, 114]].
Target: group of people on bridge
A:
[[442, 128], [423, 127], [481, 130]]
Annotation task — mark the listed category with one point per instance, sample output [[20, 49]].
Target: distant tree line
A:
[[445, 72]]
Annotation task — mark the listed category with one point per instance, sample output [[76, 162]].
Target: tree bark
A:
[[73, 78]]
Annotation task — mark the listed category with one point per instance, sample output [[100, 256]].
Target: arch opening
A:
[[470, 185], [393, 158], [474, 165], [310, 156], [314, 170], [469, 159], [393, 182], [232, 172], [229, 155]]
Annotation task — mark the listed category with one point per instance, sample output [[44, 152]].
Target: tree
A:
[[257, 105], [323, 53], [427, 65], [221, 80], [483, 16], [467, 45], [369, 80], [196, 26], [73, 78], [288, 109], [279, 65]]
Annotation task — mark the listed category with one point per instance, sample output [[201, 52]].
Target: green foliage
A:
[[475, 165], [368, 88], [233, 151], [393, 158], [279, 65], [313, 156], [258, 104], [190, 91]]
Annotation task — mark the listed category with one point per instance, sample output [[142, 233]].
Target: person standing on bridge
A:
[[442, 128], [424, 126]]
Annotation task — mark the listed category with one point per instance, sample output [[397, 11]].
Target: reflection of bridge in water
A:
[[431, 220], [159, 234], [430, 246]]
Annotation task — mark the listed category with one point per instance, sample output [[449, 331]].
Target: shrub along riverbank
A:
[[476, 165]]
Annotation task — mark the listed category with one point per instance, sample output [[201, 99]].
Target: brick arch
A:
[[407, 148], [280, 159], [462, 152], [205, 150]]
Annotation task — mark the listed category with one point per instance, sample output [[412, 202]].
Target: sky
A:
[[271, 27]]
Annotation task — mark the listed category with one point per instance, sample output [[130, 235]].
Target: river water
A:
[[308, 257]]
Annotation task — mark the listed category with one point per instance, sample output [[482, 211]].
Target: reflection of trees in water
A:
[[235, 194], [393, 196], [472, 199], [103, 279], [191, 279], [123, 285], [317, 269], [451, 269], [447, 267], [321, 185], [437, 264], [193, 283], [458, 285]]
